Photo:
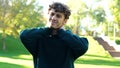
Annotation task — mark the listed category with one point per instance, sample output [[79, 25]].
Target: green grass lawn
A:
[[16, 56]]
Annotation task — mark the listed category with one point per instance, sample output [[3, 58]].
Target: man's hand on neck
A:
[[54, 30]]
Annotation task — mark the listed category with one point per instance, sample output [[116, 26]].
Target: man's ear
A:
[[65, 21]]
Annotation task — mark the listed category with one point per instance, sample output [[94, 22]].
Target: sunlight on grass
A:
[[25, 56], [96, 49], [93, 66], [26, 63]]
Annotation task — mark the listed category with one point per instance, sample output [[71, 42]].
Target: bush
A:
[[117, 41]]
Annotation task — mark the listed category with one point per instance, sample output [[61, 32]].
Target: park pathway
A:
[[112, 51]]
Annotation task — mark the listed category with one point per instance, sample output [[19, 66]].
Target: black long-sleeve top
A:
[[53, 51]]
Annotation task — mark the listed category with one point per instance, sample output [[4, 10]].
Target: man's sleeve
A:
[[29, 38], [78, 45]]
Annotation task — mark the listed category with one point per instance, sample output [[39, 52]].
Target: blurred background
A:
[[97, 20]]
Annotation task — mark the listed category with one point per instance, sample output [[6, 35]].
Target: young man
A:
[[52, 46]]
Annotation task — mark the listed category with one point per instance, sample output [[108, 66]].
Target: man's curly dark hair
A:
[[60, 7]]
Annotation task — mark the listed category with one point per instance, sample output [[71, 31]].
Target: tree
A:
[[115, 10], [3, 16], [16, 15], [99, 15], [79, 10]]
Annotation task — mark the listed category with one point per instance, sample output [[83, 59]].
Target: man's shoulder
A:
[[32, 31], [37, 29]]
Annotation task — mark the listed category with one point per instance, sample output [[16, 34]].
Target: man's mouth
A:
[[54, 22]]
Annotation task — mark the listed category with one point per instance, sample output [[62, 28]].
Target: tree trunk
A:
[[3, 44], [76, 30], [3, 40]]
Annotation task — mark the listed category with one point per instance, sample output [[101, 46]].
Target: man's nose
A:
[[54, 17]]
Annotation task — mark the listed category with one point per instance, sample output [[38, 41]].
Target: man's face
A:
[[56, 19]]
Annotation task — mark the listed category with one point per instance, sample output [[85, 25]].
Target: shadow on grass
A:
[[15, 55], [9, 65], [15, 52], [98, 60], [14, 49]]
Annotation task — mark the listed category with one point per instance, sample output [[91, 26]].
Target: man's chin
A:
[[54, 27]]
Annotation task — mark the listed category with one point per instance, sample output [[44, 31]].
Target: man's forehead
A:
[[53, 11]]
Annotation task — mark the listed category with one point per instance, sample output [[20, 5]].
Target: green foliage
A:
[[79, 11], [117, 41], [83, 10], [115, 8], [16, 15], [99, 15], [19, 14]]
